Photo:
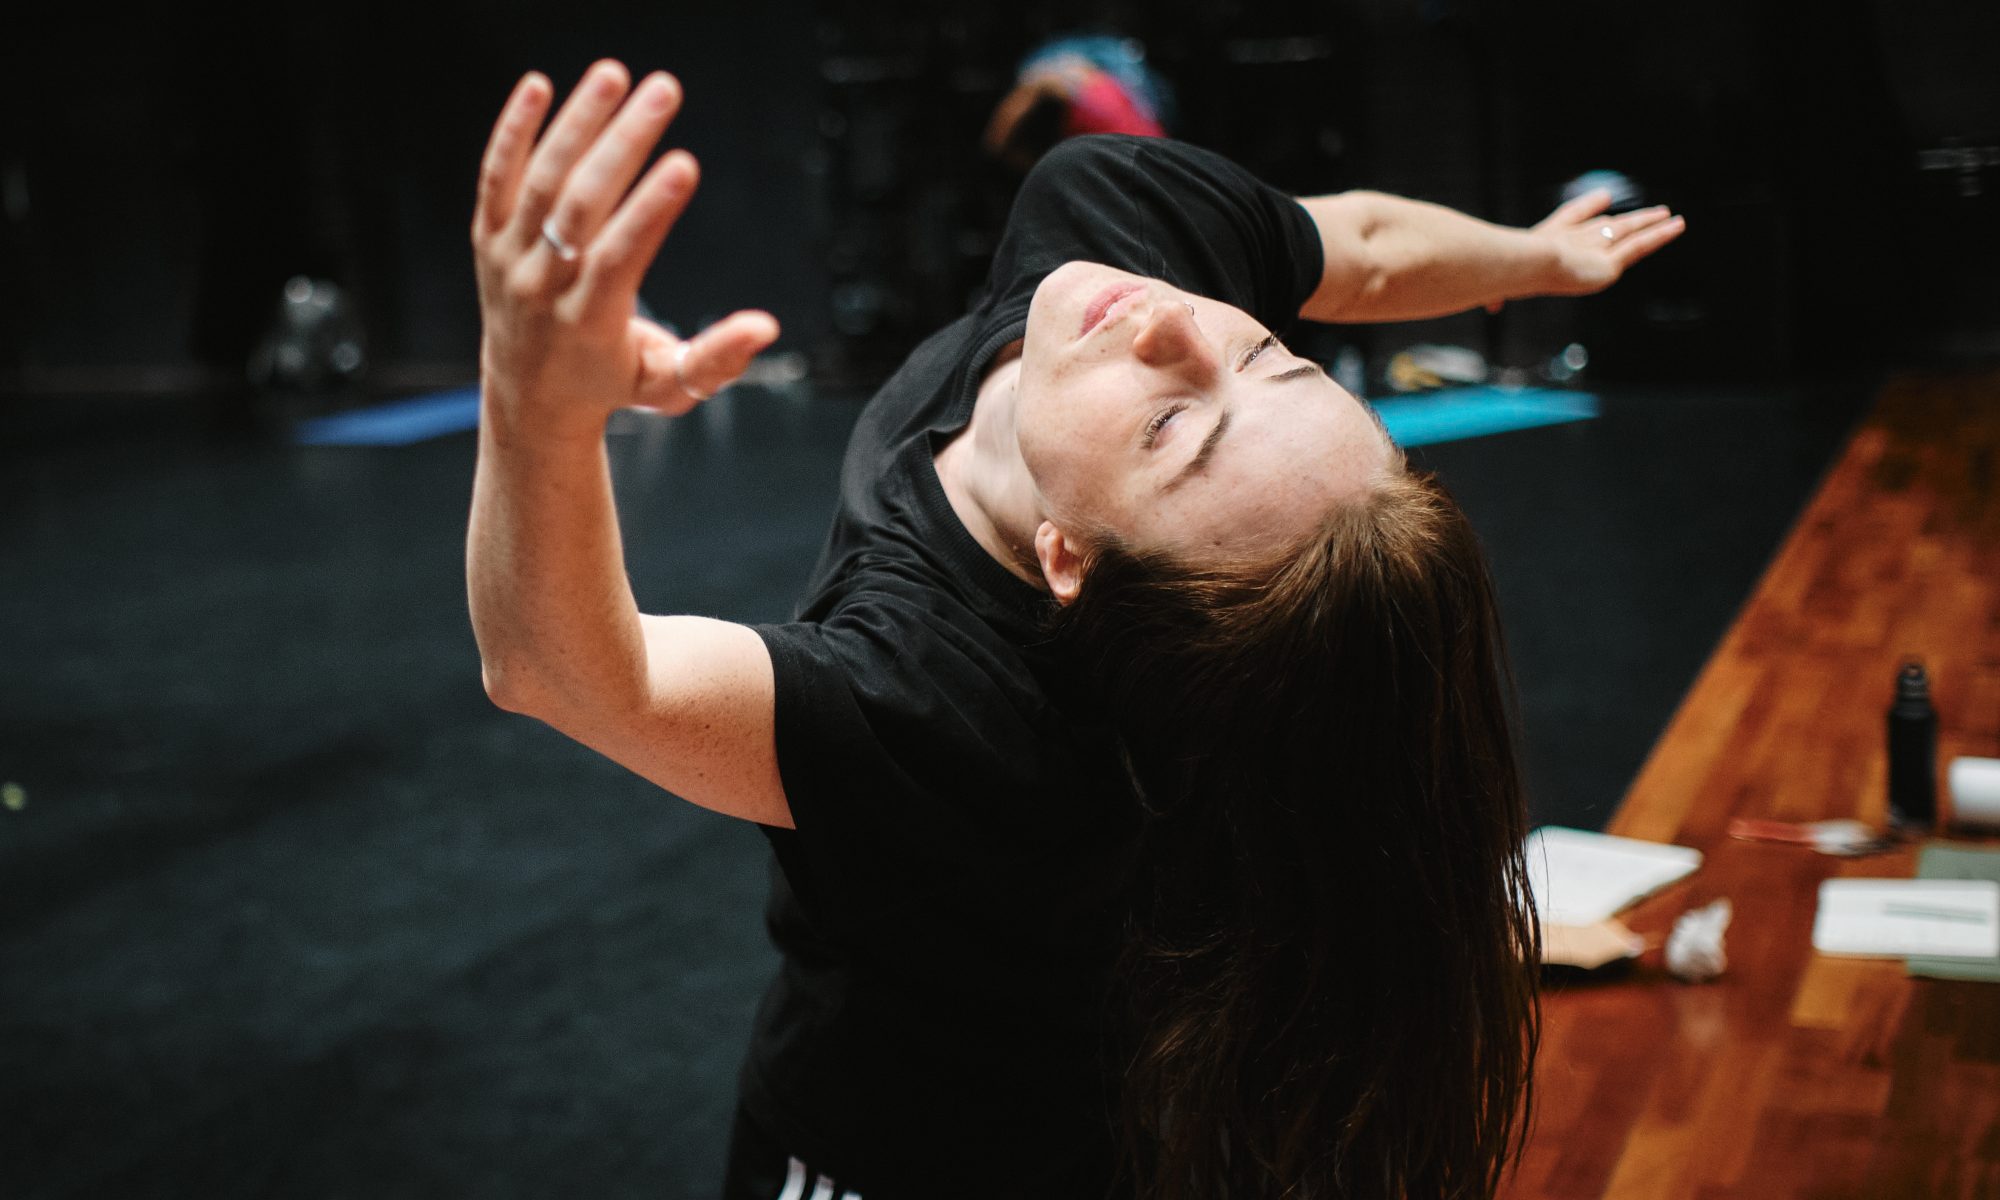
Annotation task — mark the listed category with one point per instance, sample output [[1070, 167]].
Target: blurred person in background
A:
[[1074, 86], [1138, 769]]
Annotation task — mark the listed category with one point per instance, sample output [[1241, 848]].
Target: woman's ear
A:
[[1061, 560]]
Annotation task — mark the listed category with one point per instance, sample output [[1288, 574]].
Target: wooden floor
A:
[[1796, 1074]]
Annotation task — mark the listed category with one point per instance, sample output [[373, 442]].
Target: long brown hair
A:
[[1328, 985]]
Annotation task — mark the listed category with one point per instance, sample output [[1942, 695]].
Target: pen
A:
[[1944, 914]]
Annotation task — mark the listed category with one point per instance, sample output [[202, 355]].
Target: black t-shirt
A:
[[950, 901]]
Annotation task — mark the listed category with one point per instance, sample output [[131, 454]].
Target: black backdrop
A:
[[164, 170]]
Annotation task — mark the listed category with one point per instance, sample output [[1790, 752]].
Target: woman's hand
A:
[[560, 247], [1591, 251]]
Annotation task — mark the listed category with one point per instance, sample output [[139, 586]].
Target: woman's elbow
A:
[[509, 687]]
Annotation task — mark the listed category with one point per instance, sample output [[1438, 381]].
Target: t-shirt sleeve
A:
[[1169, 210]]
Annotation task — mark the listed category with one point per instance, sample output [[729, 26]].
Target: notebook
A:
[[1580, 878], [1892, 918]]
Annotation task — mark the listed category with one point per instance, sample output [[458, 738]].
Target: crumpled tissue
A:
[[1694, 948]]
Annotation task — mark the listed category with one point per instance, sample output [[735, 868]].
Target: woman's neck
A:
[[986, 479]]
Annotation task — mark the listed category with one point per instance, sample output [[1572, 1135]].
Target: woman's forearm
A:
[[1395, 259], [552, 609], [563, 230], [1386, 258]]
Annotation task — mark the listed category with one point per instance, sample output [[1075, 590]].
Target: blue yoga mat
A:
[[1469, 412], [396, 424]]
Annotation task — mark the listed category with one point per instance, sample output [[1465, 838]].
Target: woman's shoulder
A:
[[1167, 209], [902, 613], [1116, 161]]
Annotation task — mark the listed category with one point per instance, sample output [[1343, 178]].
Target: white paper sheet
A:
[[1580, 878], [1892, 918]]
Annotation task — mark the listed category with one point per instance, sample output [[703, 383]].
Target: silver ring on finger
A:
[[564, 250], [680, 374]]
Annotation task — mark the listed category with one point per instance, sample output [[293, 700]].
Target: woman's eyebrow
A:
[[1201, 455], [1305, 368]]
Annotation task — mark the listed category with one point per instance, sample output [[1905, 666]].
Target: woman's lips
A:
[[1102, 302]]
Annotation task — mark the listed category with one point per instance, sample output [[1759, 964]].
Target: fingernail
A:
[[658, 94]]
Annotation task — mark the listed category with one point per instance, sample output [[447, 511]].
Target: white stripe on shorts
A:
[[795, 1184], [795, 1181]]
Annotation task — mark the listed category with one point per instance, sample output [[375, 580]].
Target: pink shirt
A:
[[1102, 106]]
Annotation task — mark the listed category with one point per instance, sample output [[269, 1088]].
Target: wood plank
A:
[[1797, 1074]]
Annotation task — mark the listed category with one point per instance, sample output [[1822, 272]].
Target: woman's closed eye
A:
[[1158, 423], [1250, 355], [1303, 369]]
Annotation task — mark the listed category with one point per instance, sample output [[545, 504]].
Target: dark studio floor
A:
[[289, 909]]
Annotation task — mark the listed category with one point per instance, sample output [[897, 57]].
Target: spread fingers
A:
[[576, 126], [1634, 246], [597, 182]]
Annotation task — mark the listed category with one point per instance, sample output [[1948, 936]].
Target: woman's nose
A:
[[1171, 337]]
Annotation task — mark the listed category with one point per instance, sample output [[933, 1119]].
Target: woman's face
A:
[[1177, 423]]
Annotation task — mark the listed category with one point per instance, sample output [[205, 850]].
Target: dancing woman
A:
[[1138, 768]]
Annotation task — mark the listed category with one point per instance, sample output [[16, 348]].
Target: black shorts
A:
[[760, 1169]]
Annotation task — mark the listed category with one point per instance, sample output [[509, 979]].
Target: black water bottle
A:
[[1913, 751]]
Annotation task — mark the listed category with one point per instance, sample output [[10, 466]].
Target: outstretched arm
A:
[[1392, 259], [560, 248]]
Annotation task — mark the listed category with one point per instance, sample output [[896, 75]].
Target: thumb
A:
[[723, 351], [675, 381]]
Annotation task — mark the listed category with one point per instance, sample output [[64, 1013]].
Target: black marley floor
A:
[[287, 908]]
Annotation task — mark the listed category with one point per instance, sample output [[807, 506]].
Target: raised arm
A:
[[1393, 259], [560, 248]]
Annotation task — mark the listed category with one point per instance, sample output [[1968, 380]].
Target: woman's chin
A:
[[1057, 311]]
